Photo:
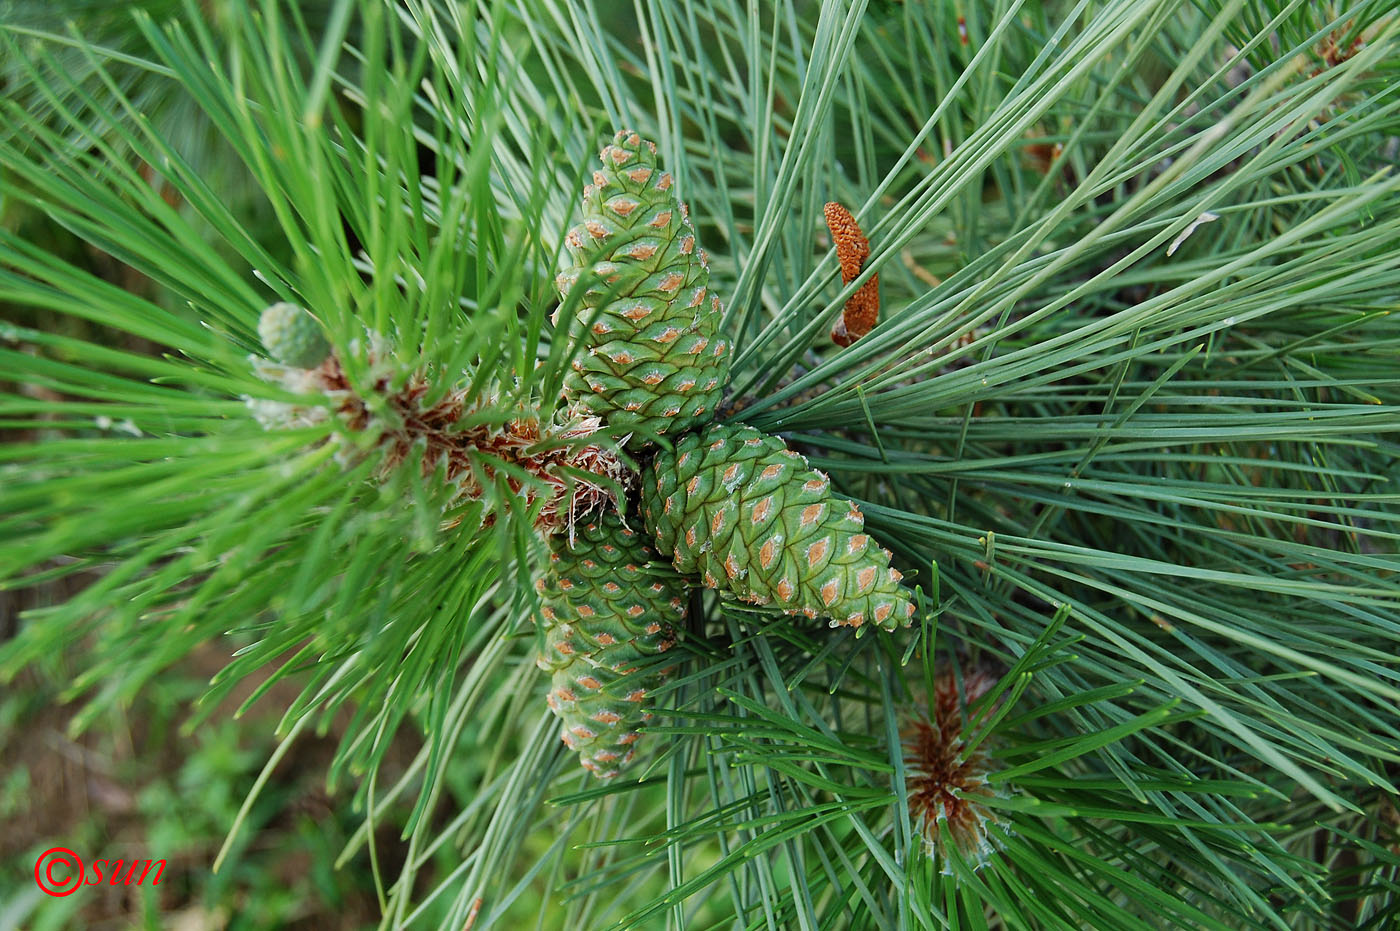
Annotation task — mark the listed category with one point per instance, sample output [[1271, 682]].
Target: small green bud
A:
[[292, 336]]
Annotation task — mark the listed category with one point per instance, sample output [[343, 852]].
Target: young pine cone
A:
[[744, 512], [610, 609], [653, 362]]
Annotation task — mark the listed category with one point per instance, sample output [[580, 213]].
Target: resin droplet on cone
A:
[[610, 608], [742, 511], [653, 362]]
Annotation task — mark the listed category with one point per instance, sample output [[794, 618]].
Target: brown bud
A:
[[862, 309]]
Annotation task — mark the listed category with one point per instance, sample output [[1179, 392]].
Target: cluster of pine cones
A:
[[722, 505]]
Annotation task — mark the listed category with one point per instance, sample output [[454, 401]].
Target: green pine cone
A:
[[654, 361], [741, 510], [292, 336], [610, 607]]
